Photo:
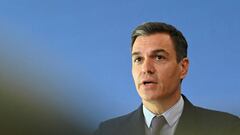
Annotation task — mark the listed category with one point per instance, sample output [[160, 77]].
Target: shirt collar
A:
[[171, 115]]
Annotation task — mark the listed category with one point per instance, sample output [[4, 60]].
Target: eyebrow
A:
[[152, 52], [135, 53]]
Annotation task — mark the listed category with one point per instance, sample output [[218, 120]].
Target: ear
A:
[[184, 64]]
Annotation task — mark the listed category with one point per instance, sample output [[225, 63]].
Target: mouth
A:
[[148, 82]]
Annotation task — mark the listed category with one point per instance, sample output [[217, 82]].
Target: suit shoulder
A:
[[207, 115], [213, 114], [119, 120], [118, 125], [218, 120]]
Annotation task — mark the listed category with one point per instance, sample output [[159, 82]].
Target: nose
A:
[[148, 67]]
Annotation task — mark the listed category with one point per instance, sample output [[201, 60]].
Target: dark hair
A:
[[149, 28]]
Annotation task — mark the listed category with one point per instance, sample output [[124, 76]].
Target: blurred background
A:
[[67, 63]]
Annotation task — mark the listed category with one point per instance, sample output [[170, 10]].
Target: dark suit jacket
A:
[[193, 121]]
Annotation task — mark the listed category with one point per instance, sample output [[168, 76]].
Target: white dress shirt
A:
[[172, 116]]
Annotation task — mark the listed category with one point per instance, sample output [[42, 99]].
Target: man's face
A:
[[155, 69]]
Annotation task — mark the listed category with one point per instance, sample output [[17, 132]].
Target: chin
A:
[[151, 97]]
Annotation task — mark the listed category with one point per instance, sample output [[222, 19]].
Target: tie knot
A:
[[157, 124]]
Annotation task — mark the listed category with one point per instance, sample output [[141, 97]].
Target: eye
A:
[[159, 57], [137, 59]]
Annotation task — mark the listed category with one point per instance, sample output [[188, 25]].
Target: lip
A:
[[148, 82], [148, 86]]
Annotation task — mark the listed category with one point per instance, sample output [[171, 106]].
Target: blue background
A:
[[75, 54]]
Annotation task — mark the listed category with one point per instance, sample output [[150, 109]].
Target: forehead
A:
[[153, 42]]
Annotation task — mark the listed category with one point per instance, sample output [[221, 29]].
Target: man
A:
[[159, 64]]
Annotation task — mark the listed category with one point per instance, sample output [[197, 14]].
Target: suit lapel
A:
[[137, 123], [187, 121]]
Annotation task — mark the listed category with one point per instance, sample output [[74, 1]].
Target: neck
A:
[[161, 105]]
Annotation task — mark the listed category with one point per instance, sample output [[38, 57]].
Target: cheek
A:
[[168, 74], [134, 72], [134, 75], [174, 76]]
